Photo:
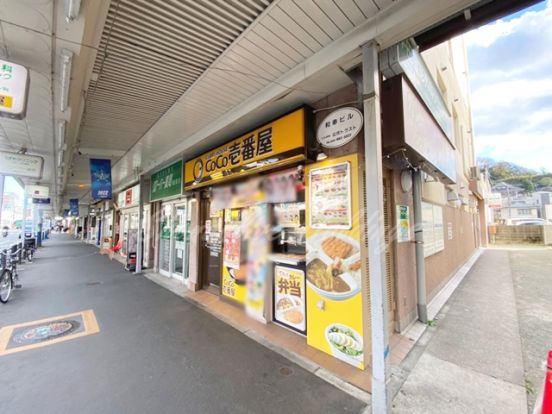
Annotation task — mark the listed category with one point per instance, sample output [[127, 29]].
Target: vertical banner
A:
[[74, 206], [334, 300], [100, 179], [257, 232]]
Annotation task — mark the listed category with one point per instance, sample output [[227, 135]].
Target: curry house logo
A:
[[198, 170]]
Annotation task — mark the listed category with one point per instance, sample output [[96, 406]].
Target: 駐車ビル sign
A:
[[166, 182], [339, 127], [277, 143]]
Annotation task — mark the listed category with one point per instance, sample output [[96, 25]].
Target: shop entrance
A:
[[128, 232], [174, 240], [210, 244]]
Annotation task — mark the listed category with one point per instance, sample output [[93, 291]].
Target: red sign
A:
[[128, 197]]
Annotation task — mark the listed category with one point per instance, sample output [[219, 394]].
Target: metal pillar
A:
[[419, 240], [139, 238], [376, 230], [1, 195]]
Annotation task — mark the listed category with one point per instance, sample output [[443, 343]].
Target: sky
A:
[[510, 64]]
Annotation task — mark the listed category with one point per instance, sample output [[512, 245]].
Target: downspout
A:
[[419, 243]]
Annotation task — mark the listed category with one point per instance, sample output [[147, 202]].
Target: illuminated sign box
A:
[[14, 88], [20, 165], [277, 143]]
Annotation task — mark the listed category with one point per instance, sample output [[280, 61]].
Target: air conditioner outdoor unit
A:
[[475, 173]]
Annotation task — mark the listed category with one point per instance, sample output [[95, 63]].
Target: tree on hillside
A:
[[545, 182], [527, 185]]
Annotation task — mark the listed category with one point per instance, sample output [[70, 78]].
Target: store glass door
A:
[[165, 240], [124, 233], [179, 251]]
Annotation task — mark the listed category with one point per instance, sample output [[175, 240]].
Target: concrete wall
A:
[[521, 234]]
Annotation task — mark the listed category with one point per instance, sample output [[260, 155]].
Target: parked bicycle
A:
[[29, 248], [9, 277]]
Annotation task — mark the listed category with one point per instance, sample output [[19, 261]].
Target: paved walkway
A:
[[485, 352], [155, 352]]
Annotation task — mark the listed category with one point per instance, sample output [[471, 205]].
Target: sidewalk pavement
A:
[[154, 352], [471, 359]]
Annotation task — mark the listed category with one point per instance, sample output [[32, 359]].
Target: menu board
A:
[[289, 214], [330, 197], [434, 237], [334, 265], [289, 297]]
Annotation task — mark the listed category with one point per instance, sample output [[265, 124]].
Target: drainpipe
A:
[[419, 243]]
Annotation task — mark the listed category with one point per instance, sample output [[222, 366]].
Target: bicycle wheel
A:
[[6, 285]]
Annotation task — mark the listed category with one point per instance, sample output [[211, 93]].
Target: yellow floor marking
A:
[[90, 327]]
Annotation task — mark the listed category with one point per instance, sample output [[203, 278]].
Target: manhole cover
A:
[[45, 332], [93, 283], [286, 371]]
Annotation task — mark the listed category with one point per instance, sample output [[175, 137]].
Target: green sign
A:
[[166, 182]]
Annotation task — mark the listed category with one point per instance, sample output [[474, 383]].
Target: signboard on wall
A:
[[432, 220], [37, 191], [20, 165], [166, 182], [100, 177], [277, 143], [494, 200], [334, 299], [403, 223], [290, 298], [41, 200], [14, 88], [330, 197], [129, 197], [339, 127]]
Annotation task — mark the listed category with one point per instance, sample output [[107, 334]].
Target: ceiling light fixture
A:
[[72, 9], [62, 145], [66, 59], [60, 158]]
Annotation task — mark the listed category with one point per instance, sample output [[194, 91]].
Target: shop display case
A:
[[288, 261]]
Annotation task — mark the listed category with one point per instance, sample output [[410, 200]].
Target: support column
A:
[[419, 240], [1, 195], [139, 238], [376, 228]]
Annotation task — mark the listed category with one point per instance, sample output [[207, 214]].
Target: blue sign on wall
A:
[[74, 206], [100, 177]]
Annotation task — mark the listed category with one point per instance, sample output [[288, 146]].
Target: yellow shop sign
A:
[[277, 143]]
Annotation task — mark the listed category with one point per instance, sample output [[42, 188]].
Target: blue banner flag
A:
[[100, 177], [74, 206]]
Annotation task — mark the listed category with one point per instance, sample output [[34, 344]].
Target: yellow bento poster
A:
[[334, 300]]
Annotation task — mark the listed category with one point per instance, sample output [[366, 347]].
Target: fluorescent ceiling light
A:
[[66, 59], [60, 158], [62, 145], [72, 9]]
